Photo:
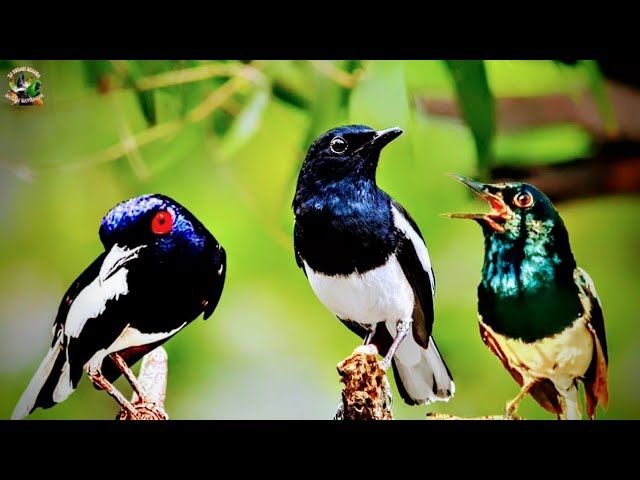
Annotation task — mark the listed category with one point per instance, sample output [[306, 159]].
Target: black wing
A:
[[419, 275], [216, 291]]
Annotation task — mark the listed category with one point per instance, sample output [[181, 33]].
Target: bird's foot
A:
[[385, 363], [131, 378], [339, 415], [102, 383], [143, 411], [510, 410]]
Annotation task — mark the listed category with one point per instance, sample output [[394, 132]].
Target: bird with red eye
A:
[[110, 317], [538, 311]]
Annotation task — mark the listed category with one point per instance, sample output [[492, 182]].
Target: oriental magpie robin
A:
[[366, 259]]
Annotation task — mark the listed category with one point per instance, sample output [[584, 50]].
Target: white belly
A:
[[379, 295], [561, 358]]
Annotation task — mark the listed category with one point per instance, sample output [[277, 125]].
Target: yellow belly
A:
[[566, 354]]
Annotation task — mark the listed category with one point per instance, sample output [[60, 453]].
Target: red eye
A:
[[162, 223]]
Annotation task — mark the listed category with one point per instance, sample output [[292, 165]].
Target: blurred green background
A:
[[226, 139]]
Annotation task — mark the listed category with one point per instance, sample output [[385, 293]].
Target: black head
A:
[[156, 225], [344, 151]]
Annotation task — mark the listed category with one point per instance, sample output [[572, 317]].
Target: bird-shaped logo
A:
[[538, 311], [366, 259], [161, 268]]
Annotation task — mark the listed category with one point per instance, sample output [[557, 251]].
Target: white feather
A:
[[92, 301], [418, 368], [375, 296], [30, 395], [130, 337], [405, 227]]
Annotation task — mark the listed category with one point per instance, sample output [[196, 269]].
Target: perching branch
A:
[[364, 395], [153, 378], [444, 416]]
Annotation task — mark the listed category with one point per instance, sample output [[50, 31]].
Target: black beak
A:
[[499, 210], [382, 139], [477, 187]]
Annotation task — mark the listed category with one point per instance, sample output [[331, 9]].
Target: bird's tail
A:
[[51, 383], [422, 376], [570, 402]]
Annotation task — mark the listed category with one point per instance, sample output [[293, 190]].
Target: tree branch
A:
[[363, 396]]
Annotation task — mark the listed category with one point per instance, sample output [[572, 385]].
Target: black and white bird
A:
[[160, 270], [366, 259]]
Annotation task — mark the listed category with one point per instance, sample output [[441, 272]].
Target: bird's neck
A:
[[344, 226], [526, 264], [527, 289], [346, 196]]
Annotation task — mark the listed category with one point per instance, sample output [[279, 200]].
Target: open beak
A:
[[499, 213], [382, 139], [117, 258]]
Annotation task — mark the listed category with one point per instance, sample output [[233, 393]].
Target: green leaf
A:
[[247, 122], [598, 89], [477, 106]]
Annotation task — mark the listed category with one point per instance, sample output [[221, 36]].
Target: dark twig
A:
[[153, 378]]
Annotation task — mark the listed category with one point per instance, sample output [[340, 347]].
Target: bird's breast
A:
[[342, 242], [377, 295], [567, 354]]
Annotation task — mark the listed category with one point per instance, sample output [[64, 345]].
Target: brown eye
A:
[[523, 200], [338, 145]]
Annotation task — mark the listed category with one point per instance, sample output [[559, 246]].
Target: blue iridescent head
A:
[[155, 221], [346, 150]]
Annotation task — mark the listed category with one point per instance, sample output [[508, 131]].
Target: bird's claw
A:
[[385, 363]]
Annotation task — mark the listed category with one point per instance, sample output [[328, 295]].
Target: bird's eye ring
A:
[[162, 223], [523, 200], [338, 145]]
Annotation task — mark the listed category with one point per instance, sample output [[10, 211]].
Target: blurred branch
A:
[[363, 396], [519, 113], [188, 75], [614, 169], [342, 78], [131, 143], [153, 378]]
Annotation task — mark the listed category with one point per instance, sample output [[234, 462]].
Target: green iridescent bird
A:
[[538, 311]]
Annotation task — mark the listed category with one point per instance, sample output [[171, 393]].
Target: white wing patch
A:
[[580, 272], [405, 227], [92, 301], [130, 337]]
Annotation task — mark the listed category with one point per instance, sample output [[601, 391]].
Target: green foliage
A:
[[476, 103], [227, 138]]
